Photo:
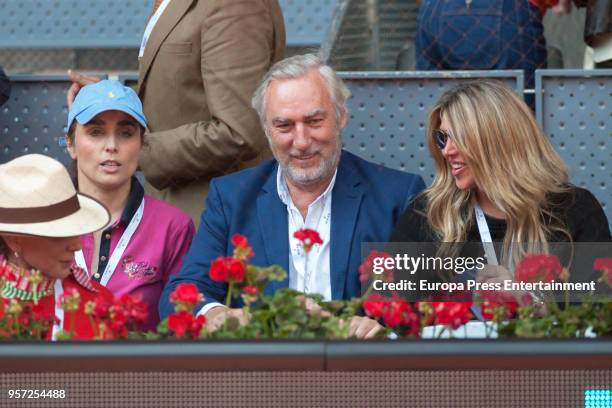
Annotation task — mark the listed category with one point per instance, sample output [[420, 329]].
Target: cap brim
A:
[[91, 217], [89, 113]]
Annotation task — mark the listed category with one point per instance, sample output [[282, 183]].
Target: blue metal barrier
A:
[[574, 108], [307, 21], [120, 23], [34, 119], [73, 24], [388, 113]]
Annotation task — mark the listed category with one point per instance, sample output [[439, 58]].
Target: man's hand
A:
[[313, 307], [78, 81], [217, 315], [360, 327], [562, 7], [363, 327]]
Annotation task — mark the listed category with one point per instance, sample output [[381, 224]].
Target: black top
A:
[[578, 210], [582, 214]]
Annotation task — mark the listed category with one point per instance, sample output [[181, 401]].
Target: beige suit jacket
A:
[[200, 67]]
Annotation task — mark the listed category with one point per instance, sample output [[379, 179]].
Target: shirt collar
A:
[[133, 202], [82, 277], [283, 189]]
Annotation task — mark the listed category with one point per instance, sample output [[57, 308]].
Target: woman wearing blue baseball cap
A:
[[147, 238]]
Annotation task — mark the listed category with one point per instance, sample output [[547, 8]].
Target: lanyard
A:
[[119, 249], [58, 325], [485, 235], [150, 25]]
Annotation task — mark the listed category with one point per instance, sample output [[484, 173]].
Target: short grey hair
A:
[[297, 67]]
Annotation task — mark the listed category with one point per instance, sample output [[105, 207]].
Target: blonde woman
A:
[[498, 179]]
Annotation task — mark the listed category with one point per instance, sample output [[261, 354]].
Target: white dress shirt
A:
[[150, 25], [315, 279]]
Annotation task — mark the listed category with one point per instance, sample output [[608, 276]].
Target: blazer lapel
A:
[[346, 200], [167, 21], [272, 215]]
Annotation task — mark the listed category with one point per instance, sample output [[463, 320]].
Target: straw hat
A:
[[37, 197]]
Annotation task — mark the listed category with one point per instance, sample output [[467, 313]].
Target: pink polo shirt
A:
[[154, 252]]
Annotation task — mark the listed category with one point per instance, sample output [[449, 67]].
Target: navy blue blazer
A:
[[367, 200]]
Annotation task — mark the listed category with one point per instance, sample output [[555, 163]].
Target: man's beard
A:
[[312, 175]]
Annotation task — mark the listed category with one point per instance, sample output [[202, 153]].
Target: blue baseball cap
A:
[[103, 96]]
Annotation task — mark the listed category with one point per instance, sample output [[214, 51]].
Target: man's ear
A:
[[70, 147], [343, 119]]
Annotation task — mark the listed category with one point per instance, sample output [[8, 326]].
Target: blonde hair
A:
[[512, 161]]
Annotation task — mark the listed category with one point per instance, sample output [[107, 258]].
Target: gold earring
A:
[[16, 254]]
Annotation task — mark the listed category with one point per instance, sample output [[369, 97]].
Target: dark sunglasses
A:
[[441, 137]]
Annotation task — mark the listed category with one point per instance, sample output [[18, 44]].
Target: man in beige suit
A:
[[200, 63]]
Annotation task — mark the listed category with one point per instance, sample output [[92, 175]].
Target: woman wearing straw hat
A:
[[41, 219], [147, 238]]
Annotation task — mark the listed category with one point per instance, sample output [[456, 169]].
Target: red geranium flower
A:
[[3, 303], [70, 299], [308, 238], [183, 323], [186, 293], [226, 269], [604, 265], [134, 307], [452, 314], [399, 313], [118, 320], [180, 322], [24, 319], [395, 313], [492, 300], [488, 309], [538, 268], [250, 290], [374, 305], [196, 326], [366, 269], [102, 308], [6, 272], [242, 250], [41, 313], [240, 241]]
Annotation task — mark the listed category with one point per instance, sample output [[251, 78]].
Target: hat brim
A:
[[92, 216], [89, 113]]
